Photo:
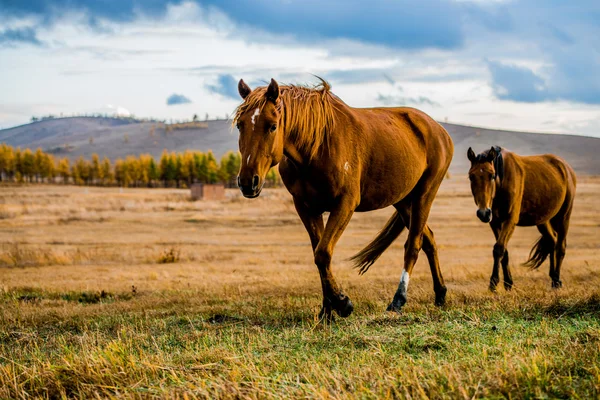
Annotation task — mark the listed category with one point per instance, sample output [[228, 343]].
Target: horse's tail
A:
[[539, 252], [367, 256]]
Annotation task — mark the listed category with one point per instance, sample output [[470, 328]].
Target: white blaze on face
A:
[[248, 159], [256, 114], [346, 166]]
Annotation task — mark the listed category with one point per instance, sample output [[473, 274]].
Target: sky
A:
[[508, 64]]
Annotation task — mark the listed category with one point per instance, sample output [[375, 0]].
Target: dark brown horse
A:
[[341, 159], [512, 190]]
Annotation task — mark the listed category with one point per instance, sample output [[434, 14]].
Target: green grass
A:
[[172, 343]]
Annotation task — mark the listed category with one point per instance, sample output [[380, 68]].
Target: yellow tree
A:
[[122, 175], [27, 165], [63, 169], [187, 171], [47, 168], [107, 174], [167, 168], [7, 162], [95, 169], [38, 164], [81, 171], [212, 168], [134, 172]]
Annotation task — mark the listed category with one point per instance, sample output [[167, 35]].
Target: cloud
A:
[[396, 24], [567, 56], [569, 78], [226, 86], [118, 110], [176, 99], [12, 37], [399, 100], [114, 10], [511, 82]]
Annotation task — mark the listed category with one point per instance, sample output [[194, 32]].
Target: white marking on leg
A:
[[256, 114], [404, 280]]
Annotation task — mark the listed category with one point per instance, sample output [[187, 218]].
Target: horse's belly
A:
[[536, 214], [380, 200], [381, 192]]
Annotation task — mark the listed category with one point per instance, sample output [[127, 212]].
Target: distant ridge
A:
[[118, 138]]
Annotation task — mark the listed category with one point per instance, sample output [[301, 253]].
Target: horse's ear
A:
[[471, 155], [273, 91], [491, 155], [243, 89]]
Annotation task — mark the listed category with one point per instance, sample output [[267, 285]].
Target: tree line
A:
[[171, 170]]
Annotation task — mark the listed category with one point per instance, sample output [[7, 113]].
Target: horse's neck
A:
[[291, 151]]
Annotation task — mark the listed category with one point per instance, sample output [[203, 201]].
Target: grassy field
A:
[[143, 293]]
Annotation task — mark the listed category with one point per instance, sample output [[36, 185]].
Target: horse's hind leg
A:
[[430, 249], [422, 199], [549, 235], [561, 226]]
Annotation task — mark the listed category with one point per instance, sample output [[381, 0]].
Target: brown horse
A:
[[512, 190], [341, 159]]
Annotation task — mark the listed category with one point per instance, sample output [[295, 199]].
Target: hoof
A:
[[343, 306], [396, 305], [556, 284], [493, 285], [508, 286], [440, 296], [326, 313]]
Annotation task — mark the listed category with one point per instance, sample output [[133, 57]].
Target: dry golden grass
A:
[[143, 293]]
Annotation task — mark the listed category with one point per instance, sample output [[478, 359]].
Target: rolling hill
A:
[[117, 138]]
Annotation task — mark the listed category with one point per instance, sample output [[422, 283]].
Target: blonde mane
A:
[[307, 114]]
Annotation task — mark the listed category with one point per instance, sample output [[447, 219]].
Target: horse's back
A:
[[549, 187], [410, 125], [555, 169], [402, 145]]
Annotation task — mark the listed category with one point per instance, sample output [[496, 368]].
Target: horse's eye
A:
[[273, 128], [238, 125]]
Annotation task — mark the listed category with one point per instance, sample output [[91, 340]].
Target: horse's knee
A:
[[322, 257], [498, 251]]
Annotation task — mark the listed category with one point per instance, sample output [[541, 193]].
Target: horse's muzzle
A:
[[484, 215], [250, 188]]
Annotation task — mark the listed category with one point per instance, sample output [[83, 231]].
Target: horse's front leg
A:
[[500, 253], [333, 298]]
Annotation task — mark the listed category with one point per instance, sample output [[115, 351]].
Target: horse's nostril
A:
[[239, 182], [255, 182]]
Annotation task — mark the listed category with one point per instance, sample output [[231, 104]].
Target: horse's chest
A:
[[312, 189]]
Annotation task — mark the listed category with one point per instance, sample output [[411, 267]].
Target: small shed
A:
[[204, 191]]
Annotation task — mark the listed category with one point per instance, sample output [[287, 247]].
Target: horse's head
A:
[[261, 140], [485, 168]]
